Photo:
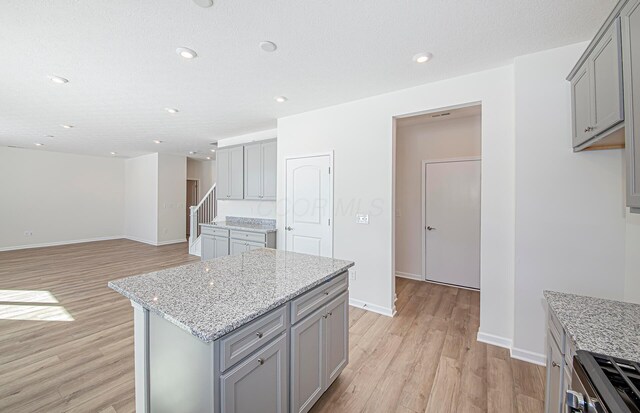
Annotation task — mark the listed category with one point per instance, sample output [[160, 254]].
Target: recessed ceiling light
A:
[[172, 110], [58, 79], [114, 153], [280, 99], [67, 126], [204, 3], [39, 144], [422, 57], [268, 46], [208, 158], [157, 141], [212, 150], [49, 136], [186, 53]]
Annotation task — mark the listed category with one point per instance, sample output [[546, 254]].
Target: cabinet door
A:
[[606, 81], [236, 173], [237, 247], [222, 177], [207, 248], [337, 336], [630, 17], [554, 377], [581, 104], [307, 362], [221, 246], [259, 384], [269, 170], [250, 246], [253, 171]]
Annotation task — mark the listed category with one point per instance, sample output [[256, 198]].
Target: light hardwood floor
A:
[[424, 359]]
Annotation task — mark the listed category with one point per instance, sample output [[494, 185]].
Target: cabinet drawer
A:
[[310, 301], [215, 231], [556, 330], [248, 236], [239, 344]]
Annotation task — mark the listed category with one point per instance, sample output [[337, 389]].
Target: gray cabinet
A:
[[630, 19], [214, 247], [259, 384], [596, 92], [260, 170], [230, 173], [219, 242], [319, 352], [555, 362], [238, 246]]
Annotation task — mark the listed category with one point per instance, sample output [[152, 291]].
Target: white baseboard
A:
[[57, 243], [172, 241], [372, 307], [144, 241], [529, 356], [494, 340], [409, 276]]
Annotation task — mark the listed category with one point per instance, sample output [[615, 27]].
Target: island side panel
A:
[[141, 354], [180, 370]]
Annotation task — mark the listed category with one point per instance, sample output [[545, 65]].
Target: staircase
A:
[[202, 213]]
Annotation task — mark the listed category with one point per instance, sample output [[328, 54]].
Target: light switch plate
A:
[[362, 219]]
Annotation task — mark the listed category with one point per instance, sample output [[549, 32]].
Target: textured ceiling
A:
[[120, 58]]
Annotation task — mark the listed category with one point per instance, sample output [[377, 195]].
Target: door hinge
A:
[[329, 170], [329, 221]]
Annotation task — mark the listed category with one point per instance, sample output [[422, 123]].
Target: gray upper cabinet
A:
[[259, 384], [596, 91], [230, 173], [260, 170], [630, 16], [581, 102]]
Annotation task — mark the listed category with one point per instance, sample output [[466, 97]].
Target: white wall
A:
[[361, 135], [247, 208], [570, 215], [60, 197], [172, 199], [204, 172], [441, 139], [141, 206]]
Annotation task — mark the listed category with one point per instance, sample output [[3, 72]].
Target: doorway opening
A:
[[437, 196], [193, 197]]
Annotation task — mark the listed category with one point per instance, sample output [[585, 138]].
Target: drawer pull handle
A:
[[259, 334], [326, 293], [324, 316], [261, 361], [554, 364], [330, 314]]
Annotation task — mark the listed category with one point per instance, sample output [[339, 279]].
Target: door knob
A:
[[430, 228], [288, 228]]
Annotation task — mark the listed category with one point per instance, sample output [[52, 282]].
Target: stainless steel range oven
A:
[[603, 384]]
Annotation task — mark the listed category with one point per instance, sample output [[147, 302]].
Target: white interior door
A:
[[452, 217], [309, 206]]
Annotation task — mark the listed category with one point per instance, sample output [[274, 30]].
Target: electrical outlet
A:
[[352, 275], [28, 233], [362, 219]]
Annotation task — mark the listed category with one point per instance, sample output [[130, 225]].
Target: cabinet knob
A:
[[324, 316], [554, 364], [589, 129], [261, 361], [259, 334], [330, 314], [326, 293]]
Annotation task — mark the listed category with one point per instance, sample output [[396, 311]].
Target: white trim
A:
[[171, 241], [529, 356], [372, 307], [141, 357], [57, 243], [331, 194], [423, 191], [409, 276], [144, 241], [494, 340]]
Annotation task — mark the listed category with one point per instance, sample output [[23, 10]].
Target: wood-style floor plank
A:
[[426, 359]]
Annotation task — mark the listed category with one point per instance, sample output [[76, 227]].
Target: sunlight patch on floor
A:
[[34, 312], [27, 296]]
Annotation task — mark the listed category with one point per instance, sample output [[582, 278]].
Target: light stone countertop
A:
[[212, 298], [598, 325], [245, 224]]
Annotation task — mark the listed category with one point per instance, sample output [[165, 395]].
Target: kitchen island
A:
[[262, 331]]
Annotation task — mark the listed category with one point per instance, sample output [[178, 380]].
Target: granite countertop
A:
[[598, 325], [209, 299], [245, 224]]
